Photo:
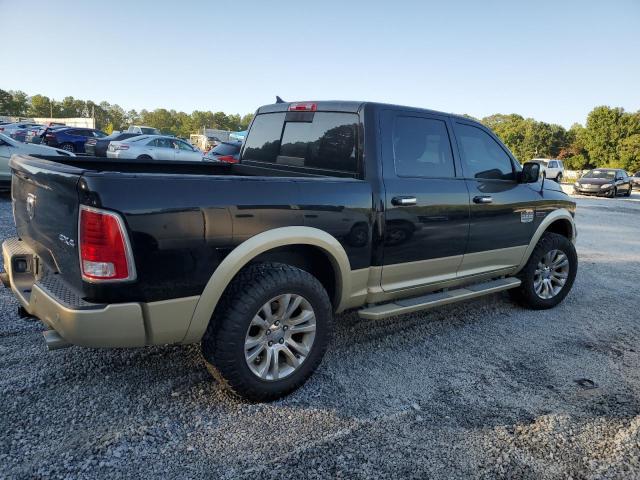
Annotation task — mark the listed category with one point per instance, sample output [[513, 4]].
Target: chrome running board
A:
[[437, 299]]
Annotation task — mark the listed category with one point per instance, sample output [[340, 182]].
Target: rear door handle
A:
[[483, 199], [404, 201]]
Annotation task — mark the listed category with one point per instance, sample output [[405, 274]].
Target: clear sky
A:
[[550, 60]]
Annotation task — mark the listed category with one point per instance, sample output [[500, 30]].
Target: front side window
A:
[[421, 148], [482, 157], [320, 140], [185, 146]]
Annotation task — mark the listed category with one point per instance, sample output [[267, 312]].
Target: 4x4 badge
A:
[[526, 216], [31, 205]]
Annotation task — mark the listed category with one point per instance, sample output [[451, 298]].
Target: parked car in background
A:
[[71, 139], [36, 134], [10, 129], [228, 152], [153, 147], [550, 168], [609, 182], [98, 146], [142, 130], [635, 179], [10, 146]]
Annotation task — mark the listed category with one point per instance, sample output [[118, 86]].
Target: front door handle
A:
[[404, 201], [483, 199]]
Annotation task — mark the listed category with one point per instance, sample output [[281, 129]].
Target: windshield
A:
[[604, 174]]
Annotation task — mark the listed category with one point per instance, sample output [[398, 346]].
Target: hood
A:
[[595, 181], [43, 150]]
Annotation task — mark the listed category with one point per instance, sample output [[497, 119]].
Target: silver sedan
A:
[[153, 147]]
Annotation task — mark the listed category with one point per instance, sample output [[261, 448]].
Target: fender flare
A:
[[250, 249], [560, 214]]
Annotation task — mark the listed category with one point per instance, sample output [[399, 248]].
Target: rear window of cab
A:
[[311, 140]]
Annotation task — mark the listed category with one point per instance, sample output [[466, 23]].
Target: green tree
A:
[[6, 102], [40, 106], [605, 131], [629, 153]]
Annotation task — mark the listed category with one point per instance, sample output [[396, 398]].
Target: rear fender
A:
[[250, 249]]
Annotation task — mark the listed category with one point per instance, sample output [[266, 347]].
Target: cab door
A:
[[502, 211], [426, 217]]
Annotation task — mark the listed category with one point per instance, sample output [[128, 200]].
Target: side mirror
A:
[[530, 172]]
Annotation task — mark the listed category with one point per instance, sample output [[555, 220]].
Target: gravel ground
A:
[[481, 389]]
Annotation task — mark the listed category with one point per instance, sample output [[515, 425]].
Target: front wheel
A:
[[68, 147], [628, 194], [549, 274], [613, 193], [559, 178], [269, 332]]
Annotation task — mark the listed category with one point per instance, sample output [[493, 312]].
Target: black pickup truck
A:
[[332, 206]]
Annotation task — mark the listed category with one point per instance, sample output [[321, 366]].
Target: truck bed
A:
[[182, 218]]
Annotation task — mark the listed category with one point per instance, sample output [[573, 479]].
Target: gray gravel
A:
[[481, 389]]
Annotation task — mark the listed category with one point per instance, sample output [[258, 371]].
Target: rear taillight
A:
[[303, 107], [50, 135], [227, 159], [105, 253]]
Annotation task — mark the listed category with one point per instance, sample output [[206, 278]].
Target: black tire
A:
[[613, 193], [525, 294], [559, 178], [223, 341], [628, 194], [144, 157], [68, 147]]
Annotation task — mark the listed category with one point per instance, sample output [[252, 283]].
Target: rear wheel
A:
[[269, 331], [68, 147], [144, 157], [549, 274]]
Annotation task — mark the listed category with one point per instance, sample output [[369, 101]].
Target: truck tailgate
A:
[[45, 205]]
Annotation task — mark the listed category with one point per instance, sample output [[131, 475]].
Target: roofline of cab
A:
[[356, 106]]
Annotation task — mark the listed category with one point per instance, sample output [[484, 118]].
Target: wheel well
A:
[[309, 258], [561, 227]]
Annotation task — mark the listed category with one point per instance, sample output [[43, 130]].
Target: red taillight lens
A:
[[227, 158], [104, 252], [303, 107]]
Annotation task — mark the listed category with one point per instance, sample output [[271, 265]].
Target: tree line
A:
[[610, 136], [110, 117]]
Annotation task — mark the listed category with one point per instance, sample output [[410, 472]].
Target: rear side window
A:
[[320, 140], [226, 149], [482, 157], [421, 148]]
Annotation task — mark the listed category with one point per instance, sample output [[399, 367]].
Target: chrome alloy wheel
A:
[[551, 274], [280, 337]]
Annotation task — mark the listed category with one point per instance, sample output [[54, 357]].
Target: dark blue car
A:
[[71, 139]]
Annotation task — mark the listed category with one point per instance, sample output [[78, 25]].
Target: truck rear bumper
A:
[[93, 325]]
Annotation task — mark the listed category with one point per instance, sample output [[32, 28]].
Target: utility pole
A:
[[51, 108]]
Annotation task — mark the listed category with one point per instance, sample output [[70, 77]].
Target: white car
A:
[[550, 168], [9, 146], [153, 147]]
